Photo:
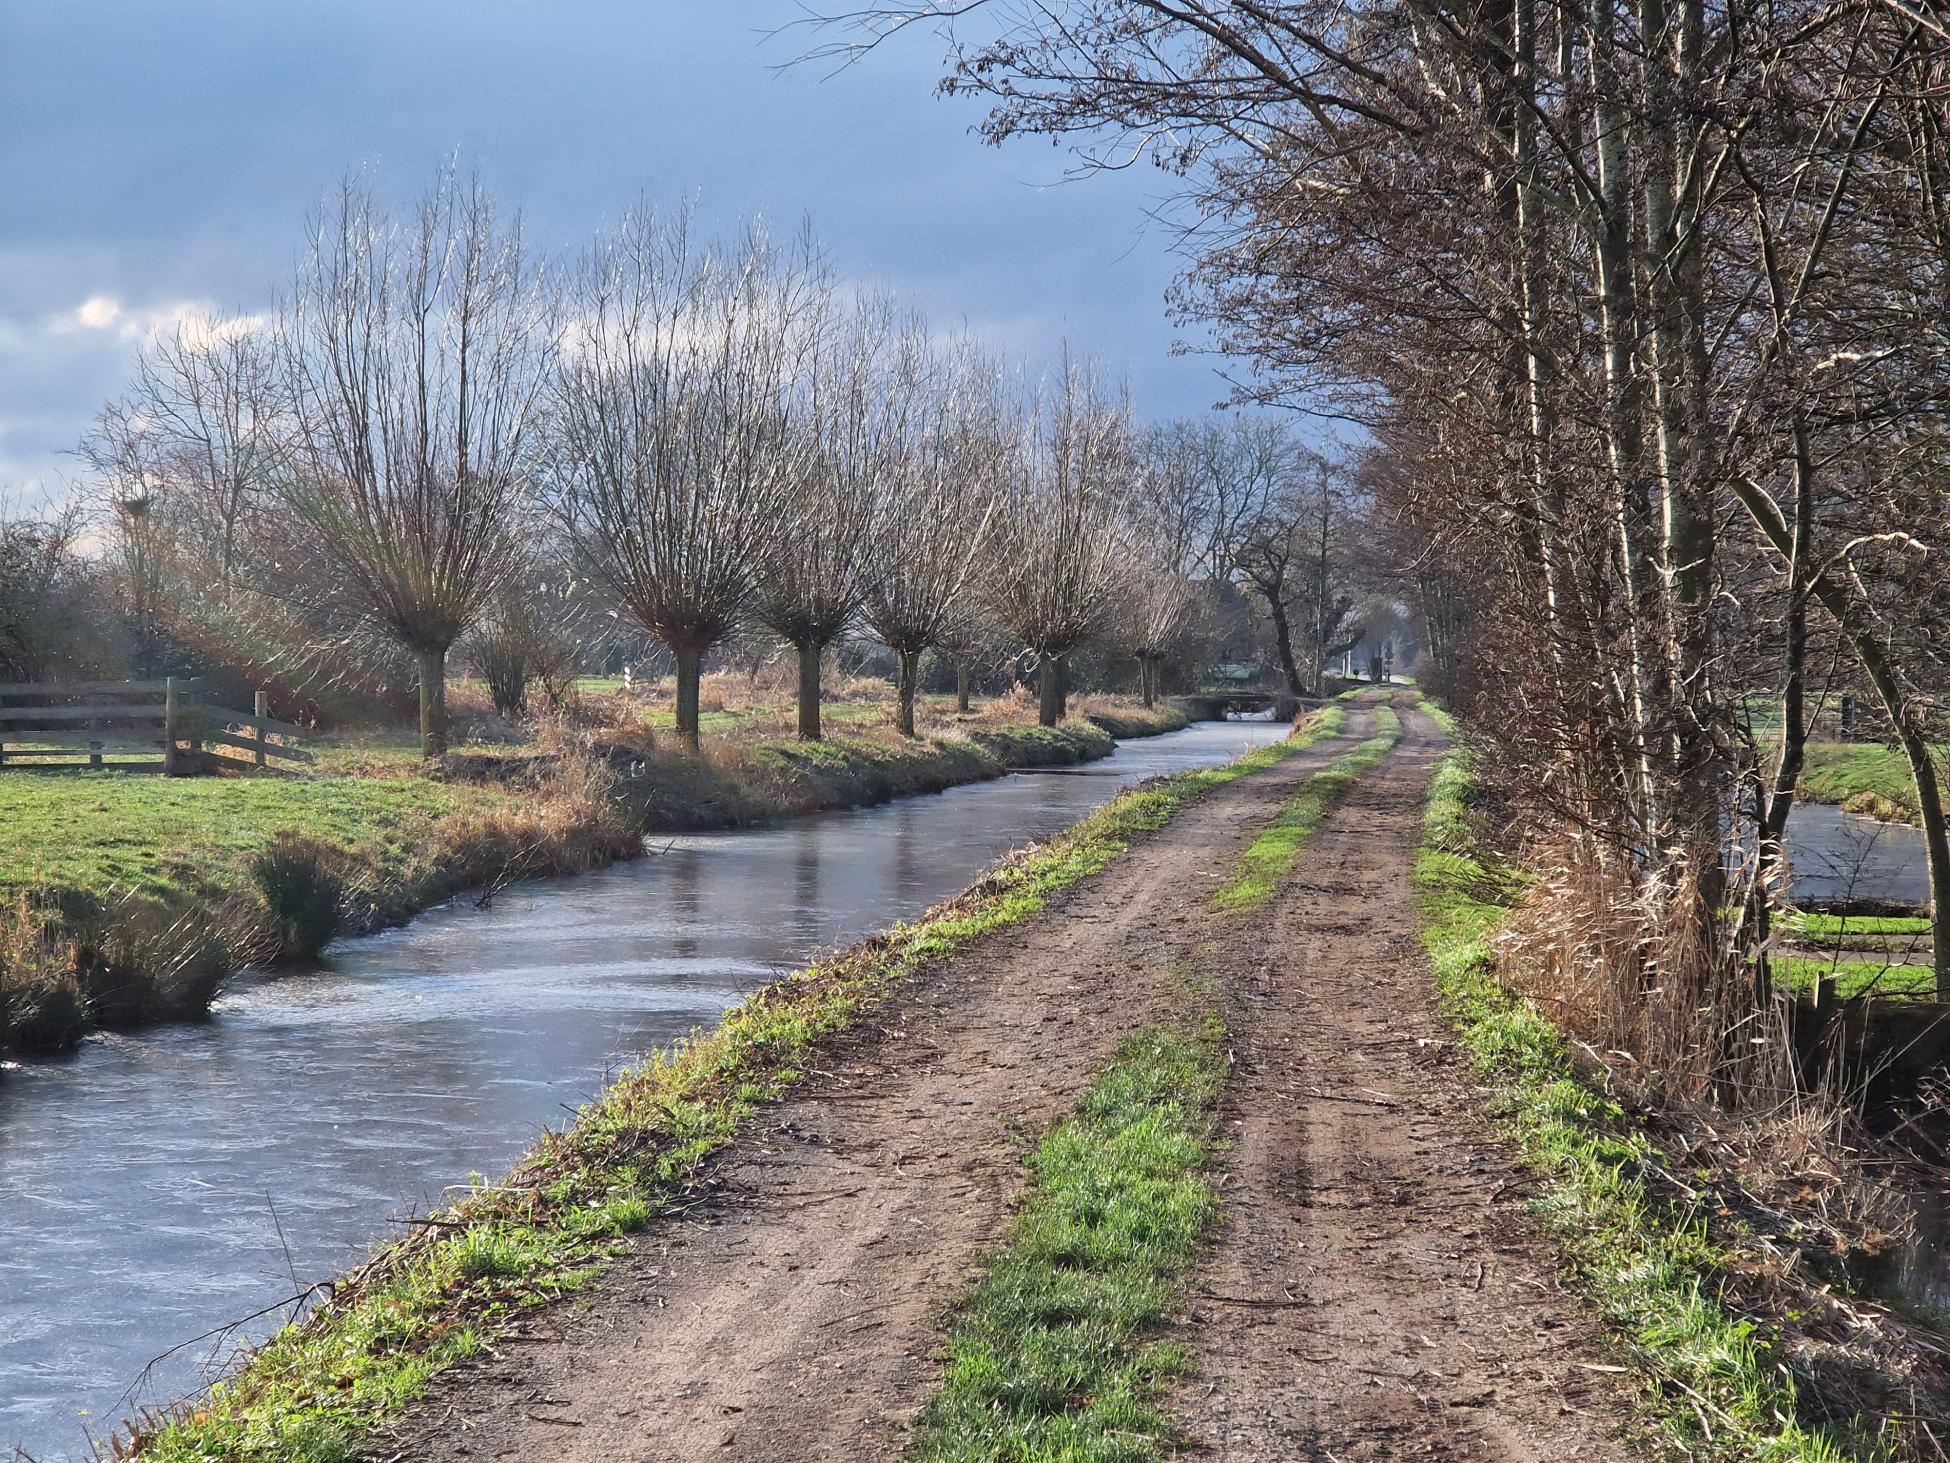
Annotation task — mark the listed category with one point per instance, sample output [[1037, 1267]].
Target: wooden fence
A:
[[139, 726]]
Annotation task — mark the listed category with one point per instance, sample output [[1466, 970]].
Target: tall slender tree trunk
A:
[[1062, 686], [1833, 596], [433, 701], [961, 685], [1049, 690], [1283, 639], [809, 658], [1776, 796], [690, 666], [909, 676], [1147, 680]]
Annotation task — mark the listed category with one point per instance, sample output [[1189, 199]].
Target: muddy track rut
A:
[[1374, 1291]]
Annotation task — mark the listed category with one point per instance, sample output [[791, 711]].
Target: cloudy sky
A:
[[159, 158]]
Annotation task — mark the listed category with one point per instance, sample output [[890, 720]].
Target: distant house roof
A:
[[1233, 672]]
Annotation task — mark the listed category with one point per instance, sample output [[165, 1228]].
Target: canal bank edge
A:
[[1737, 1353], [317, 1387], [72, 960]]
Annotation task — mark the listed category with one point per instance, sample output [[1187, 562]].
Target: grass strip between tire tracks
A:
[[315, 1390], [1273, 855], [1048, 1359], [1713, 1383]]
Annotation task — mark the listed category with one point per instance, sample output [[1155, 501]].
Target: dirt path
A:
[[1376, 1292], [795, 1315]]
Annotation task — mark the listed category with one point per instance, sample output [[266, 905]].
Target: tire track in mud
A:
[[1374, 1292], [795, 1310]]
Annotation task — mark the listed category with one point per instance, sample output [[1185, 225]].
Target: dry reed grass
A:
[[1717, 1068]]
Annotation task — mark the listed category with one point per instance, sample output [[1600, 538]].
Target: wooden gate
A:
[[139, 726]]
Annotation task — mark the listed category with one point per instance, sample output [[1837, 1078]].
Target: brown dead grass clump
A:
[[1716, 1077], [42, 1005]]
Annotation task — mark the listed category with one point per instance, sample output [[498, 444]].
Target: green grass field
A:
[[1853, 977], [1864, 777], [106, 833]]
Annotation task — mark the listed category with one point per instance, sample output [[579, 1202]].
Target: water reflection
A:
[[157, 1184]]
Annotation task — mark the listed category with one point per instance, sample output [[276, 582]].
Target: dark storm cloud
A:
[[160, 158]]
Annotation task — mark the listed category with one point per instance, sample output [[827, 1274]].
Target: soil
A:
[[1375, 1290]]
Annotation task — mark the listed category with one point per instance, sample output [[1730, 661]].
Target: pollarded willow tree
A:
[[938, 510], [411, 359], [1156, 614], [859, 392], [679, 398], [1061, 552]]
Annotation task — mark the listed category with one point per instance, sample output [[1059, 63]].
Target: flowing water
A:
[[1846, 857], [160, 1184]]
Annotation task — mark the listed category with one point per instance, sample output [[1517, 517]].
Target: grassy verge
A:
[[1853, 977], [1714, 1383], [1814, 925], [1128, 722], [1271, 857], [314, 1390], [129, 899], [1048, 1358]]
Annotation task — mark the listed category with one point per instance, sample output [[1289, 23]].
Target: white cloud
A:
[[98, 312], [106, 317]]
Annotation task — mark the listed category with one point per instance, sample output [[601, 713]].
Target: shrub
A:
[[143, 959], [303, 894]]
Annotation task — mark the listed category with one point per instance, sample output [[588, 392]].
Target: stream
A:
[[159, 1184]]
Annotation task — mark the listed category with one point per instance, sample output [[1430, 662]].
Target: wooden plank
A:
[[93, 688], [273, 750], [83, 749], [237, 718], [20, 715], [55, 768]]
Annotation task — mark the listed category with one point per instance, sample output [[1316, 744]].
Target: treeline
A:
[[1646, 304], [442, 438]]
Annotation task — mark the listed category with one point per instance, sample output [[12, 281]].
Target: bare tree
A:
[[1160, 601], [43, 589], [1062, 543], [413, 353], [206, 412], [863, 385], [678, 406], [937, 516], [534, 632]]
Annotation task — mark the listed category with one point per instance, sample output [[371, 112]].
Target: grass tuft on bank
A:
[[319, 1387], [1714, 1383], [1048, 1358], [1271, 857]]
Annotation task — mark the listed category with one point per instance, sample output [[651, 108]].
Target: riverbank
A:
[[1864, 777], [126, 900], [447, 1293], [1746, 1342]]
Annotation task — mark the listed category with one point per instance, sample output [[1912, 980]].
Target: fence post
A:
[[262, 708], [169, 726]]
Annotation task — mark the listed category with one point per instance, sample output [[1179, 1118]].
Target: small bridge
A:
[[1218, 705]]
